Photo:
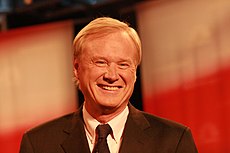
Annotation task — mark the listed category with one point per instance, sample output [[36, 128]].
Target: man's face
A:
[[107, 72]]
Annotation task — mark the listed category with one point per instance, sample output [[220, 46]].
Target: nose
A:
[[111, 74]]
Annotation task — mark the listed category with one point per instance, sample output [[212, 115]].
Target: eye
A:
[[124, 65], [100, 63]]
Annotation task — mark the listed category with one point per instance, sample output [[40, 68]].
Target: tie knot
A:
[[103, 130]]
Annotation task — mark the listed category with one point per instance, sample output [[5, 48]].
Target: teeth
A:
[[110, 88]]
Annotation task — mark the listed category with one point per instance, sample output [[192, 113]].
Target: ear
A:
[[75, 69], [135, 77]]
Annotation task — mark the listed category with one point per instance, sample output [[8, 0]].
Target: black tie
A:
[[102, 131]]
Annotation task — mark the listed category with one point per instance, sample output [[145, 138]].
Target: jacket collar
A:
[[135, 138], [76, 141]]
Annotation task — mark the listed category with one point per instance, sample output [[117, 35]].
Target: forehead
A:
[[117, 44], [106, 36]]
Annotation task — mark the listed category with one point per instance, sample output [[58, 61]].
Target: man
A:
[[106, 55]]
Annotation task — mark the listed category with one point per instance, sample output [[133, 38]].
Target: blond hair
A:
[[101, 27]]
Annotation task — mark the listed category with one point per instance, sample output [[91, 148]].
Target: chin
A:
[[107, 105], [113, 105]]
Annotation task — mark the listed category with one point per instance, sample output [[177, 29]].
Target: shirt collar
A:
[[117, 124]]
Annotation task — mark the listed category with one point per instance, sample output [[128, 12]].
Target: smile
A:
[[110, 88]]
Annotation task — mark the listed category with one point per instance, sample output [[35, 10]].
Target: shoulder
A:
[[162, 122], [45, 136], [49, 129], [167, 130], [55, 127], [48, 136], [153, 120], [161, 132], [157, 124]]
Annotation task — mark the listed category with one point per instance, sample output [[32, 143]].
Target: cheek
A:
[[91, 74], [129, 77]]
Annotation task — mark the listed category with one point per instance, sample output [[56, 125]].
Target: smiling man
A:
[[106, 55]]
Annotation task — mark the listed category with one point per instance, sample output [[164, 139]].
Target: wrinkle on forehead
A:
[[102, 40]]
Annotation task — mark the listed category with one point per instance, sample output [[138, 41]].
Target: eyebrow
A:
[[119, 59]]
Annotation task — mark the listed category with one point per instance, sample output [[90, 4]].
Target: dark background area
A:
[[21, 13]]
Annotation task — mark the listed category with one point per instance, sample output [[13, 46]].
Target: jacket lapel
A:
[[76, 141], [135, 138]]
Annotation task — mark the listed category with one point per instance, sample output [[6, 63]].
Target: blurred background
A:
[[184, 75]]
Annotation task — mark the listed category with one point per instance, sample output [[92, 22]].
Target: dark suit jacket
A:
[[143, 133]]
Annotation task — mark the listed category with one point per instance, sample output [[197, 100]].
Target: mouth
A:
[[109, 88]]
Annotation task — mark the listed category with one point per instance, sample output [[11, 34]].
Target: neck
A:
[[104, 114]]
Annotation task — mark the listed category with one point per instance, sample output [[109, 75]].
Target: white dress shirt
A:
[[117, 124]]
